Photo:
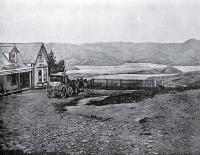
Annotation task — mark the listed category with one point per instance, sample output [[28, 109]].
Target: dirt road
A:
[[165, 124]]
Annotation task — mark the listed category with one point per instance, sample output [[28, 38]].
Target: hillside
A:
[[191, 79], [170, 70], [115, 53]]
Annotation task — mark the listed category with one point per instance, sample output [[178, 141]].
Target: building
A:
[[14, 74], [40, 68], [34, 55], [23, 66]]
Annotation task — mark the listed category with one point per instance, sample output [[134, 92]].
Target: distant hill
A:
[[115, 53], [170, 70]]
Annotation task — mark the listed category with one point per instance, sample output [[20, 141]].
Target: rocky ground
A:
[[165, 124]]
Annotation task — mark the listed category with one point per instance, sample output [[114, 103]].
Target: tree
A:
[[53, 66], [60, 66], [52, 62]]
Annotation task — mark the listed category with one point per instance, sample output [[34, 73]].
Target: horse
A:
[[81, 84], [75, 86]]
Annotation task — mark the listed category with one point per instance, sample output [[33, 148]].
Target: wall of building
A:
[[41, 66], [11, 82], [1, 84], [43, 78]]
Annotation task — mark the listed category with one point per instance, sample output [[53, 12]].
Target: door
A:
[[39, 75], [45, 75], [24, 80]]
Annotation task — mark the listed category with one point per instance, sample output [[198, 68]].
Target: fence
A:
[[121, 83]]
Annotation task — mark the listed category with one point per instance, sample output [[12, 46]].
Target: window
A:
[[13, 79], [55, 78], [45, 75], [40, 56], [24, 80], [12, 57], [40, 75]]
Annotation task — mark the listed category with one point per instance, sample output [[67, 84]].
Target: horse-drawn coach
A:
[[62, 85]]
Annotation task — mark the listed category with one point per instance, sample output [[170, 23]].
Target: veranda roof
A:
[[14, 71]]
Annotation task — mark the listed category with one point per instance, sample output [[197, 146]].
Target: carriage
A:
[[62, 85]]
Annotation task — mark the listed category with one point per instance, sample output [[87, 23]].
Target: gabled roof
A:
[[43, 50], [29, 51], [6, 48], [3, 60], [14, 49]]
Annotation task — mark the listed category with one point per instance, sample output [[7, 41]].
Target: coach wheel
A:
[[70, 91], [49, 94], [63, 93]]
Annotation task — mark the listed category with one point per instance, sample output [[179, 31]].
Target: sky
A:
[[82, 21]]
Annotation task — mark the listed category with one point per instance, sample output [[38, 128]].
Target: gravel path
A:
[[168, 123], [35, 125]]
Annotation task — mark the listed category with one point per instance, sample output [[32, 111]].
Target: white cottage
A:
[[35, 55], [14, 74], [40, 68]]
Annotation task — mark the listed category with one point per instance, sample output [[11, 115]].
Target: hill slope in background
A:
[[115, 53]]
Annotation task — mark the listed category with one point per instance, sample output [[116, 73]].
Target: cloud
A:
[[80, 21]]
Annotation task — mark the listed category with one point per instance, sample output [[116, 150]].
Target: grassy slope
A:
[[190, 79], [166, 124]]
